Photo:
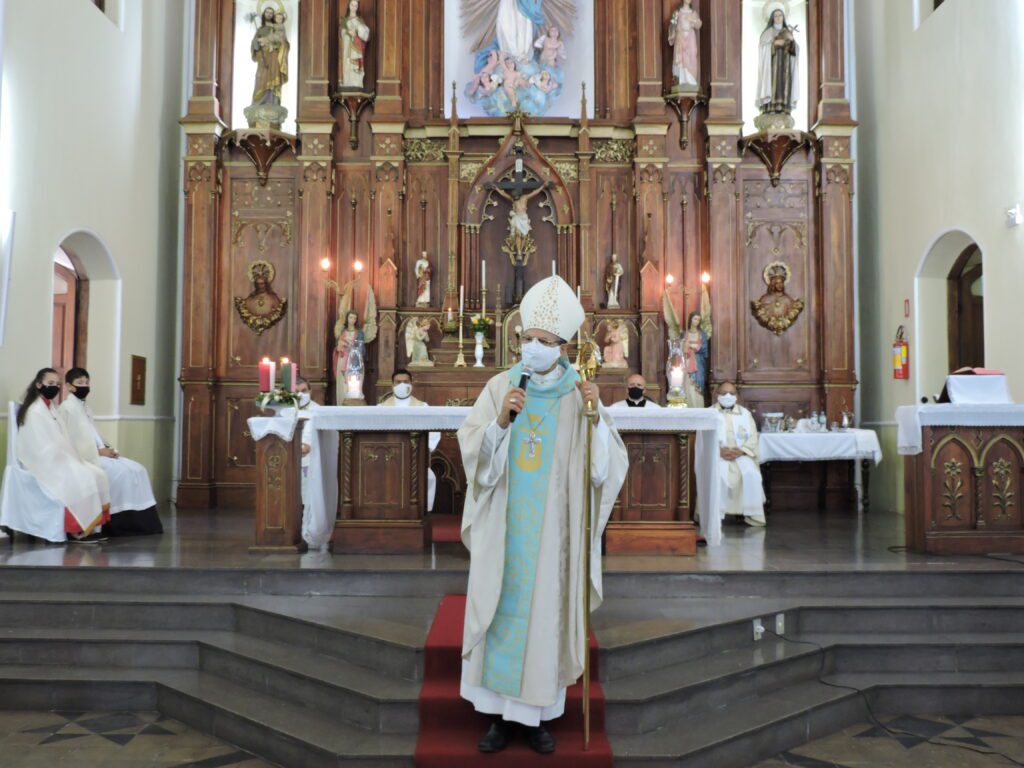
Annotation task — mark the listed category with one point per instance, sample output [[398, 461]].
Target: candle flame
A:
[[669, 279], [284, 361], [358, 266], [705, 278], [325, 264], [265, 360]]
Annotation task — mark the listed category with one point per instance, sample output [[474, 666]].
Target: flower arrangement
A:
[[278, 396], [480, 324]]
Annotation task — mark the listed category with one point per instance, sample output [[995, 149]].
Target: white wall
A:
[[89, 141], [940, 148]]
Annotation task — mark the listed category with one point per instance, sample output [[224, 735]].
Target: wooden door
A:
[[967, 312], [65, 286]]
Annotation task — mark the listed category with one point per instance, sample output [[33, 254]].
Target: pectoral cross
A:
[[532, 441]]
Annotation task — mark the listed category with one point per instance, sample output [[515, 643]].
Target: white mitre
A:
[[552, 306]]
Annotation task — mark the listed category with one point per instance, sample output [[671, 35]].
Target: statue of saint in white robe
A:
[[514, 31], [130, 489], [523, 646], [45, 450], [742, 487]]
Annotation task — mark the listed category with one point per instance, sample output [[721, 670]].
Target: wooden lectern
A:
[[279, 495]]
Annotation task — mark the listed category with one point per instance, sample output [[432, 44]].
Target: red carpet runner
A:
[[450, 728]]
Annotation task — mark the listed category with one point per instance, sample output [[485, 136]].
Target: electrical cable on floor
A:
[[894, 732]]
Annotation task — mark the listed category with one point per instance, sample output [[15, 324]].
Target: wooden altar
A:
[[963, 491], [667, 182]]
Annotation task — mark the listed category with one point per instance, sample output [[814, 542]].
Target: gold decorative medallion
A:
[[775, 310], [262, 308]]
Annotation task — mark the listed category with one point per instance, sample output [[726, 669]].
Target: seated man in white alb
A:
[[132, 505], [44, 450], [742, 489], [401, 397], [635, 397]]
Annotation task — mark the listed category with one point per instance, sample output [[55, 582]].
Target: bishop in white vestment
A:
[[131, 494], [523, 641], [742, 487]]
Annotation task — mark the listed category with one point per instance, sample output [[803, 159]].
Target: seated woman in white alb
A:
[[742, 488], [132, 505], [43, 448]]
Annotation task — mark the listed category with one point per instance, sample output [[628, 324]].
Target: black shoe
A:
[[496, 738], [540, 740], [93, 538]]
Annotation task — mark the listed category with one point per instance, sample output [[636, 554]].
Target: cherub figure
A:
[[551, 48], [486, 79], [512, 78], [544, 82]]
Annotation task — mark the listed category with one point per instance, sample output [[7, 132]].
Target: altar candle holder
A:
[[460, 360]]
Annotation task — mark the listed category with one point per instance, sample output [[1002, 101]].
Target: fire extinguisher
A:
[[900, 356]]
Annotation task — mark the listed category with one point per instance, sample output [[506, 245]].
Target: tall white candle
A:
[[553, 270], [483, 286], [462, 296]]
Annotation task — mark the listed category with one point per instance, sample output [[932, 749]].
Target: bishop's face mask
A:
[[635, 393], [539, 357], [81, 392], [403, 390], [727, 400]]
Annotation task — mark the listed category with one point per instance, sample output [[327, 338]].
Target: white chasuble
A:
[[45, 450], [523, 641], [130, 488], [742, 486]]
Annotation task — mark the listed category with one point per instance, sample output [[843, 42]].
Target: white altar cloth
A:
[[327, 421], [819, 446], [911, 418]]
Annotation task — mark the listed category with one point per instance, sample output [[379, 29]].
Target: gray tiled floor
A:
[[793, 541], [954, 743], [119, 739]]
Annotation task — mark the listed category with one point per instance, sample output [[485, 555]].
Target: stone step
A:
[[417, 576], [360, 696], [923, 617], [383, 634], [741, 733], [649, 700], [260, 723]]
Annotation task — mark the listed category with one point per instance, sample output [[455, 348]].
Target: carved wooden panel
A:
[[426, 214], [424, 59], [235, 454], [778, 226], [963, 492], [260, 225], [278, 508]]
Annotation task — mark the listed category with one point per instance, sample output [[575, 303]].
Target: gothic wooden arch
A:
[[558, 200]]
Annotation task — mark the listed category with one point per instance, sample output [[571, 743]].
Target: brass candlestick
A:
[[460, 361]]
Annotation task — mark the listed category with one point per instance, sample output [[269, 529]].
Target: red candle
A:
[[265, 375]]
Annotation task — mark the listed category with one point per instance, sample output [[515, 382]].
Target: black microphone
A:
[[523, 381]]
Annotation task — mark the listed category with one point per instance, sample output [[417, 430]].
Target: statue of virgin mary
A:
[[512, 26]]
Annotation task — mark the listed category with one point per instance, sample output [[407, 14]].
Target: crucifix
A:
[[519, 242], [532, 441]]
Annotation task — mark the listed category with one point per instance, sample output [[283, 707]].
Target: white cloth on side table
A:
[[911, 418], [819, 446], [988, 389]]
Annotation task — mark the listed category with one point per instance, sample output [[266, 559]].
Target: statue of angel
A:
[[417, 334], [350, 350], [616, 344]]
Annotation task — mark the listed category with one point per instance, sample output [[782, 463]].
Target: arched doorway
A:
[[70, 314], [966, 311], [945, 338]]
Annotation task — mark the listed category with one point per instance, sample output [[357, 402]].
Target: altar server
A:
[[305, 415], [742, 488], [635, 395], [401, 397], [44, 449], [524, 450], [132, 505]]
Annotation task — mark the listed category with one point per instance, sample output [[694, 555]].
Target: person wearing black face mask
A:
[[635, 397], [132, 504], [44, 450]]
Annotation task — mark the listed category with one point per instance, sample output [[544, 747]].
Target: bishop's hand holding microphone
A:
[[515, 401]]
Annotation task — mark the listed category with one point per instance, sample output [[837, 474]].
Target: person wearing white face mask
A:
[[401, 397], [742, 488], [523, 448], [305, 415]]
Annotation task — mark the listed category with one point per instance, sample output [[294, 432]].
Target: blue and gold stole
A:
[[528, 475]]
